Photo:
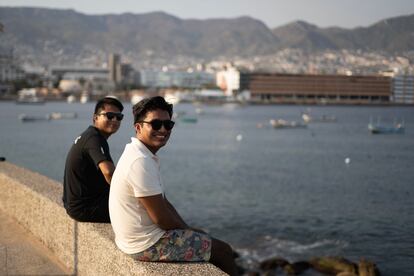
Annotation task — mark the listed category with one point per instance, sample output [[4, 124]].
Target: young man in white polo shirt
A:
[[145, 223]]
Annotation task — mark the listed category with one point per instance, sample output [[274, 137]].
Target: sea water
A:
[[328, 189]]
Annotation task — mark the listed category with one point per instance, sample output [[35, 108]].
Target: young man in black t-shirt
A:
[[89, 166]]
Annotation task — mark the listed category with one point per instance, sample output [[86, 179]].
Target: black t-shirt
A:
[[83, 183]]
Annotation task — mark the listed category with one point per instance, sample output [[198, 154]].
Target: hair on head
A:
[[108, 100], [146, 105]]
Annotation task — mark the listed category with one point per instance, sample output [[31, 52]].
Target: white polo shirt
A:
[[137, 174]]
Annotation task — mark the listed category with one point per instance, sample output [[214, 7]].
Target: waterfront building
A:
[[228, 80], [317, 89], [403, 89], [178, 79], [306, 89], [76, 73]]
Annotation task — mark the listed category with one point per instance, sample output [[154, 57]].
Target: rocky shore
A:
[[329, 265]]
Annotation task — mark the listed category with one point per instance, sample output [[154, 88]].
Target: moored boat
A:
[[280, 123], [380, 129], [27, 118]]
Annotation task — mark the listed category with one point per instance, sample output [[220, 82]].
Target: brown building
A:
[[316, 89]]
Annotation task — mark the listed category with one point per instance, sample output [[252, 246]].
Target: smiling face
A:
[[105, 126], [153, 139]]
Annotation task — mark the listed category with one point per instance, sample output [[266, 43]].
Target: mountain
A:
[[50, 35], [39, 30], [389, 35]]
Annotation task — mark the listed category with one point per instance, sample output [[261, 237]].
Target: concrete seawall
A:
[[35, 202]]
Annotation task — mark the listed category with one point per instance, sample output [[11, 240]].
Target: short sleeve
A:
[[95, 149], [144, 178]]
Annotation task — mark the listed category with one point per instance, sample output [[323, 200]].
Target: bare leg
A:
[[222, 257]]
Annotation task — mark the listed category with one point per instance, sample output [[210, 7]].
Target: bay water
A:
[[328, 189]]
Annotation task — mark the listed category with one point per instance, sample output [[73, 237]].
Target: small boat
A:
[[307, 118], [380, 129], [63, 115], [136, 98], [30, 100], [26, 118], [172, 98], [280, 123], [29, 96], [178, 114], [84, 98], [71, 99], [199, 110], [187, 119]]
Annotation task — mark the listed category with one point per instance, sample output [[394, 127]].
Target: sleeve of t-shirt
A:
[[144, 178], [95, 150]]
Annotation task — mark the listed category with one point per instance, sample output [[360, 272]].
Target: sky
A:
[[274, 13]]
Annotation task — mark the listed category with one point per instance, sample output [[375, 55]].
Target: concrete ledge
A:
[[85, 248]]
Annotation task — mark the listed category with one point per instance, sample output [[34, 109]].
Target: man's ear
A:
[[137, 127]]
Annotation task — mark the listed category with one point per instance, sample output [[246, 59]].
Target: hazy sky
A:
[[274, 13]]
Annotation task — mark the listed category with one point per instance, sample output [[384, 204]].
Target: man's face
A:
[[105, 125], [153, 139]]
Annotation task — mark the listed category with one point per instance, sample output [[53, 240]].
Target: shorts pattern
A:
[[178, 245]]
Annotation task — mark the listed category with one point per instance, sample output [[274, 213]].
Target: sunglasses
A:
[[157, 124], [111, 115]]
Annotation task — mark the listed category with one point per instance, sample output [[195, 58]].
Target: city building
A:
[[9, 70], [77, 73], [114, 67], [403, 89], [177, 79], [317, 89], [228, 80]]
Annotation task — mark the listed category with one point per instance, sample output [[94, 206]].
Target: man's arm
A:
[[173, 210], [160, 212], [107, 168]]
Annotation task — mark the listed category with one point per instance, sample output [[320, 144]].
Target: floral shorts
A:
[[178, 246]]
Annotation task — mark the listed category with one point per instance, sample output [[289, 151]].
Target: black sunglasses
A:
[[157, 124], [111, 115]]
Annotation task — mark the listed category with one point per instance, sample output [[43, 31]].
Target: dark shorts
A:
[[97, 212], [178, 246]]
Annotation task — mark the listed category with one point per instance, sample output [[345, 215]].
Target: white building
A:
[[228, 80]]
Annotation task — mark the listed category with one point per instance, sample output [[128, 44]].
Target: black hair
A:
[[108, 100], [146, 105]]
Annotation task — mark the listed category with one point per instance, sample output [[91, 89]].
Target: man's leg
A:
[[190, 246], [222, 256], [101, 212]]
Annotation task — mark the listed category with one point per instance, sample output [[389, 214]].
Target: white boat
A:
[[379, 128], [307, 118], [29, 96], [136, 98], [84, 98], [280, 123], [30, 100], [71, 99], [63, 115], [172, 98]]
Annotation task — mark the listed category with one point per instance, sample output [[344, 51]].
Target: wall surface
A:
[[85, 248]]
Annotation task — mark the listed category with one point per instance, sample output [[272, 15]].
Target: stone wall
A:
[[35, 202]]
